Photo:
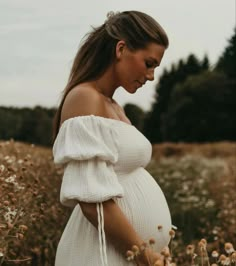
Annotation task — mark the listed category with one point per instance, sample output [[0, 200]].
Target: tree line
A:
[[194, 102]]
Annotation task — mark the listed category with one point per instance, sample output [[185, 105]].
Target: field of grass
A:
[[199, 182]]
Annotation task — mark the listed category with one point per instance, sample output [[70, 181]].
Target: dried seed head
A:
[[2, 168], [165, 252], [190, 249], [172, 233], [152, 241], [202, 244], [143, 246], [135, 250], [233, 257], [203, 240], [222, 258], [6, 203], [20, 236], [215, 254], [229, 248], [23, 227], [129, 255], [159, 227], [14, 200]]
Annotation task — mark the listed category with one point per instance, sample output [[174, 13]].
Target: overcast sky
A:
[[39, 39]]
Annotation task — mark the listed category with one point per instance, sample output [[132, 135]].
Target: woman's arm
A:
[[118, 229]]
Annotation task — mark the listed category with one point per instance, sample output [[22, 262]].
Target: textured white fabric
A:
[[106, 158]]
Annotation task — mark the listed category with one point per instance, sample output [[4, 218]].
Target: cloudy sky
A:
[[39, 39]]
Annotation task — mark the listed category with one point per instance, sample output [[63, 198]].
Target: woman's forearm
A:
[[117, 227]]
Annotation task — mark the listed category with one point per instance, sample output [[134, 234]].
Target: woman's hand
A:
[[149, 258]]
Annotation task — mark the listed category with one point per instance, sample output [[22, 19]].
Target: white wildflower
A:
[[11, 179], [10, 215], [2, 168]]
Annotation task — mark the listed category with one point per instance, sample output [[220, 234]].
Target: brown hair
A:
[[97, 52]]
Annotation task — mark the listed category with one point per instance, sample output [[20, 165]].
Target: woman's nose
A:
[[150, 75]]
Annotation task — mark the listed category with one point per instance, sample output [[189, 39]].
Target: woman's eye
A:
[[149, 64]]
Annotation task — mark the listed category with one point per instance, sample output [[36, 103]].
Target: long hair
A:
[[97, 52]]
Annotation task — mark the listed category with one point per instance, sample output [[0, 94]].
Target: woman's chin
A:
[[132, 89]]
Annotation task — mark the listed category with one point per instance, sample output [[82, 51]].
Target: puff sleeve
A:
[[87, 146]]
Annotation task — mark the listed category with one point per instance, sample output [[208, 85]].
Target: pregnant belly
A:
[[145, 206]]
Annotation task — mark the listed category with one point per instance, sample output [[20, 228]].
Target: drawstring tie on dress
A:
[[101, 234]]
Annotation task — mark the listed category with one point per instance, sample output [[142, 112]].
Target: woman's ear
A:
[[120, 46]]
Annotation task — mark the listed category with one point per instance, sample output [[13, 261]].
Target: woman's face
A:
[[134, 68]]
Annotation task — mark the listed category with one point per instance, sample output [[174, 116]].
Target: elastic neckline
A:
[[84, 117]]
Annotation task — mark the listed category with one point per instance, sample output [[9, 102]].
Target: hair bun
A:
[[112, 14]]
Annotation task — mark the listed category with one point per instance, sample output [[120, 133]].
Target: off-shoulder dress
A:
[[105, 159]]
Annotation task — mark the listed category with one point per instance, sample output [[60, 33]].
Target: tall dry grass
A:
[[198, 180]]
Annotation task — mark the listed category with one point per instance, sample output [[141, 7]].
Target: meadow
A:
[[199, 181]]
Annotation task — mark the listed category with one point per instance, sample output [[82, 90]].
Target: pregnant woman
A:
[[116, 203]]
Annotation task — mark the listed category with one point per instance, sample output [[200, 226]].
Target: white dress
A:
[[103, 159]]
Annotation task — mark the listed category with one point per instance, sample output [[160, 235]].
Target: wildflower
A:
[[130, 255], [23, 227], [10, 194], [20, 236], [165, 252], [6, 202], [233, 257], [202, 244], [11, 179], [2, 168], [222, 259], [190, 249], [215, 254], [10, 214], [152, 241], [159, 227], [172, 233], [143, 246], [14, 200], [229, 248], [203, 240], [135, 250], [36, 250]]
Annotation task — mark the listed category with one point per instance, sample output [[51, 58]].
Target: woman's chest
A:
[[134, 150]]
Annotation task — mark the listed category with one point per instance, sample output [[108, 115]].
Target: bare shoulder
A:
[[81, 101]]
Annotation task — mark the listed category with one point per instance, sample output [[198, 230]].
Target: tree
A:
[[227, 61], [201, 109], [26, 124], [169, 79], [135, 115]]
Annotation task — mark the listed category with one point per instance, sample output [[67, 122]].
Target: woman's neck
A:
[[106, 84]]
